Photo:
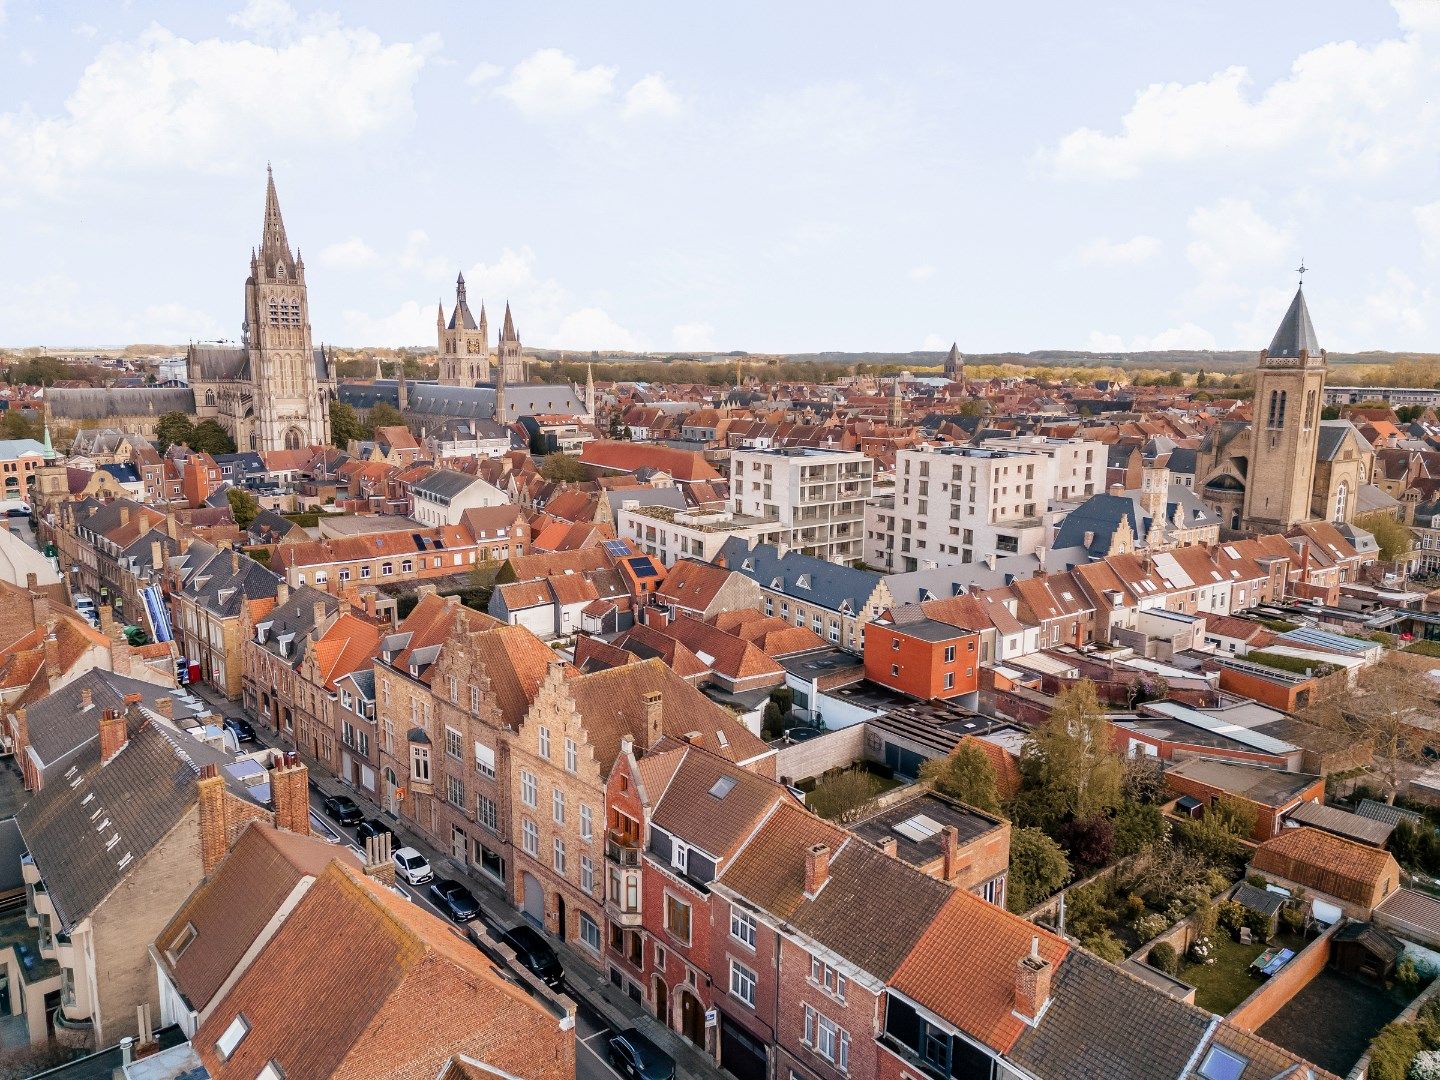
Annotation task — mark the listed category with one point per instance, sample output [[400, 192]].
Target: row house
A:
[[562, 757], [208, 589], [296, 649], [380, 558], [444, 495], [90, 536]]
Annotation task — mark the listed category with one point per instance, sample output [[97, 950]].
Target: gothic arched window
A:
[[1342, 500]]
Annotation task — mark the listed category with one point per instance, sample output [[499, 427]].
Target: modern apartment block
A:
[[960, 504], [819, 496], [1079, 464]]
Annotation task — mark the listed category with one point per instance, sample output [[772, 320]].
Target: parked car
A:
[[535, 953], [85, 605], [372, 827], [342, 808], [634, 1056], [412, 866], [454, 899], [240, 728], [23, 510]]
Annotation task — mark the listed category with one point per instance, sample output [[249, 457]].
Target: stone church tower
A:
[[955, 364], [513, 367], [464, 343], [290, 388], [1285, 427]]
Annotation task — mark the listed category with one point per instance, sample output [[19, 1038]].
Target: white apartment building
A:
[[818, 496], [669, 534], [960, 504]]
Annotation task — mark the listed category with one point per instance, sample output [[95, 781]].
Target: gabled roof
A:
[[712, 804], [1326, 863], [801, 576], [59, 723]]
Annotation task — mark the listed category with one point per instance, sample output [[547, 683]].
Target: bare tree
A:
[[1388, 710]]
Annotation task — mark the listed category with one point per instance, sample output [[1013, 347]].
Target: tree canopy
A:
[[244, 507], [1038, 868], [345, 424], [564, 468], [174, 428], [966, 775], [211, 438], [1395, 539], [384, 415], [1070, 769]]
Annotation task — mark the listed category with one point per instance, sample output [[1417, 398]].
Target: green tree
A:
[[173, 428], [966, 775], [243, 506], [16, 425], [384, 415], [1330, 412], [345, 424], [562, 468], [1070, 769], [1038, 868], [1137, 826], [844, 796], [211, 438], [973, 407], [1395, 540]]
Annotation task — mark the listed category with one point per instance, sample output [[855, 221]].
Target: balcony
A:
[[622, 850]]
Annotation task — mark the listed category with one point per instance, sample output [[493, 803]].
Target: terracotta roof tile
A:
[[1327, 863]]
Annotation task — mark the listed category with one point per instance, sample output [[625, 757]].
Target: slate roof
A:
[[645, 496], [215, 582], [12, 847], [442, 485], [98, 403], [463, 402], [1105, 1022], [829, 584], [1296, 333], [58, 724], [1332, 819], [142, 793], [1101, 515]]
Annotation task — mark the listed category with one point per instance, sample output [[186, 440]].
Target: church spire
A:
[[590, 390], [460, 287], [273, 243], [507, 332], [1296, 334]]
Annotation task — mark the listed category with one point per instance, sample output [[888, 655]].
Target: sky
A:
[[787, 177]]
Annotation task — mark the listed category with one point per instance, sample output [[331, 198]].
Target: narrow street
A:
[[599, 1008]]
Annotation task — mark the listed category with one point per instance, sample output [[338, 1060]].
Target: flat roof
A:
[[819, 662], [915, 825], [930, 630]]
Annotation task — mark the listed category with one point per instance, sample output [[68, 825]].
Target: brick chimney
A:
[[890, 846], [378, 863], [39, 602], [52, 656], [87, 699], [654, 726], [124, 516], [282, 593], [165, 706], [290, 793], [107, 620], [214, 832], [113, 734], [1032, 983], [157, 555], [817, 869], [318, 617], [950, 867]]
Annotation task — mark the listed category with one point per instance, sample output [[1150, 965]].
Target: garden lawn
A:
[[1221, 986]]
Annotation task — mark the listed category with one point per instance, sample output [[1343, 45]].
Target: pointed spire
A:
[[273, 242], [460, 288], [1296, 333], [507, 332]]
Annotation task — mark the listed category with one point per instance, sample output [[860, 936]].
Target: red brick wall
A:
[[1276, 991], [1267, 818], [1276, 695], [857, 1015], [761, 960], [922, 665]]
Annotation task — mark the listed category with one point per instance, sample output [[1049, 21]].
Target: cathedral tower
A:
[[291, 385], [464, 343], [510, 358], [1284, 430], [955, 364]]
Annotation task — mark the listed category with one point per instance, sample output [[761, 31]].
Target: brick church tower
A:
[[464, 343]]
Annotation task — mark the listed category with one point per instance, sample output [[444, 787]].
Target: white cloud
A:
[[162, 101], [1346, 106], [651, 96], [592, 328], [413, 323], [1427, 218], [86, 30], [165, 323], [418, 260], [27, 57], [548, 83], [484, 73], [1395, 309], [1232, 249], [352, 254], [264, 17], [935, 343], [694, 337], [1185, 336], [1102, 251], [920, 273]]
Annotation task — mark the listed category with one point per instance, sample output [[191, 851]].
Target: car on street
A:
[[23, 510], [454, 899], [412, 866], [240, 728], [342, 808], [85, 605], [635, 1057], [372, 827], [535, 953]]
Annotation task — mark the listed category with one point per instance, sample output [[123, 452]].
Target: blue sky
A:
[[760, 176]]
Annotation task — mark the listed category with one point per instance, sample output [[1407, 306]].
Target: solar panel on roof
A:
[[615, 547]]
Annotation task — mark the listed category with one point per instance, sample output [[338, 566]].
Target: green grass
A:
[[1423, 648], [1221, 986]]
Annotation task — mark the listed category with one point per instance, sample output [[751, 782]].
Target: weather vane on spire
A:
[[1301, 271]]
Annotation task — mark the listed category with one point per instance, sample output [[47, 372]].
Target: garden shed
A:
[[1264, 901], [1363, 949]]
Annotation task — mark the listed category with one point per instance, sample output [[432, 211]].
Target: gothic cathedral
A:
[[465, 356]]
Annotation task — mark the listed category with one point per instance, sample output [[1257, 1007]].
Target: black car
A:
[[454, 899], [342, 808], [535, 953], [373, 827], [633, 1055], [241, 729]]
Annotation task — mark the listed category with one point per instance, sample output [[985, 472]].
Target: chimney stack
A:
[[1032, 983], [950, 867], [817, 869], [318, 618], [52, 657], [378, 863], [290, 793], [87, 699], [214, 832], [890, 846], [282, 593], [113, 734], [654, 724], [165, 706], [157, 555]]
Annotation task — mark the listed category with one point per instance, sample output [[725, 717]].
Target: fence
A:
[[833, 750], [1275, 992]]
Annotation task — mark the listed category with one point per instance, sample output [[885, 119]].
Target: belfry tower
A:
[[464, 343], [291, 385]]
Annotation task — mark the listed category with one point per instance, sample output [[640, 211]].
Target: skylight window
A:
[[722, 787], [231, 1036], [1222, 1064]]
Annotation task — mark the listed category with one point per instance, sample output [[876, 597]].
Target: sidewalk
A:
[[586, 983]]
